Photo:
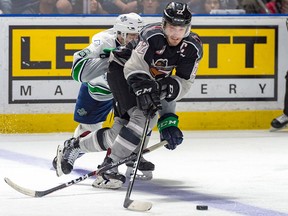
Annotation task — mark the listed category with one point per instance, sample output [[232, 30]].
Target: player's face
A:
[[174, 34], [130, 37]]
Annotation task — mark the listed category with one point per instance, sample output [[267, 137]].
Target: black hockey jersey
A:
[[153, 56]]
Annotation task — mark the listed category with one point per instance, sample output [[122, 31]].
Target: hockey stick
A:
[[35, 193], [130, 204]]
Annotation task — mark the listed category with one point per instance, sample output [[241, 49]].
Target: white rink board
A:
[[207, 94]]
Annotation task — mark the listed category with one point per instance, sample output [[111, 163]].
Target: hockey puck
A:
[[202, 207]]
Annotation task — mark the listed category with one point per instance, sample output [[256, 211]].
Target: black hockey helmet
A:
[[177, 14]]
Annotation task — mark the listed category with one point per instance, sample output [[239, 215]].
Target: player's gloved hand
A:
[[147, 96], [123, 53], [169, 88], [169, 131]]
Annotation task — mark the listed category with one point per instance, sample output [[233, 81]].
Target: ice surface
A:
[[233, 172]]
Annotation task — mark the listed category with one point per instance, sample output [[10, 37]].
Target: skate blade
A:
[[112, 184], [59, 156], [140, 175], [272, 129]]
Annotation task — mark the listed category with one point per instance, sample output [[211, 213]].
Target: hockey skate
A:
[[279, 123], [54, 162], [111, 179], [145, 167], [66, 156]]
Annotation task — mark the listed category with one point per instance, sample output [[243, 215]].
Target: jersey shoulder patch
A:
[[105, 37], [151, 30], [195, 38]]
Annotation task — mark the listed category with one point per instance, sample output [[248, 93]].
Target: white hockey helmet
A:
[[128, 23]]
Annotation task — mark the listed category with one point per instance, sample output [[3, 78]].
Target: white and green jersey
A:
[[90, 64]]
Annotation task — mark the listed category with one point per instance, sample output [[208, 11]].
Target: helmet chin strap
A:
[[187, 31]]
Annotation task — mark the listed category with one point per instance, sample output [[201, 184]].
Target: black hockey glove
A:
[[169, 88], [123, 53], [147, 96], [169, 131]]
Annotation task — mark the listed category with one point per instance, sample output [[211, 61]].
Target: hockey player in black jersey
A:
[[148, 63], [95, 99], [147, 79], [282, 121]]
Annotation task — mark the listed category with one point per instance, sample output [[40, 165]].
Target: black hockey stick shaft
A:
[[127, 200], [35, 193]]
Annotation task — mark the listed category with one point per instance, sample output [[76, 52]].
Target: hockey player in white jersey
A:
[[90, 65]]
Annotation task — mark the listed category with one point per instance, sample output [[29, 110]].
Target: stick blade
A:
[[136, 205], [20, 189]]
